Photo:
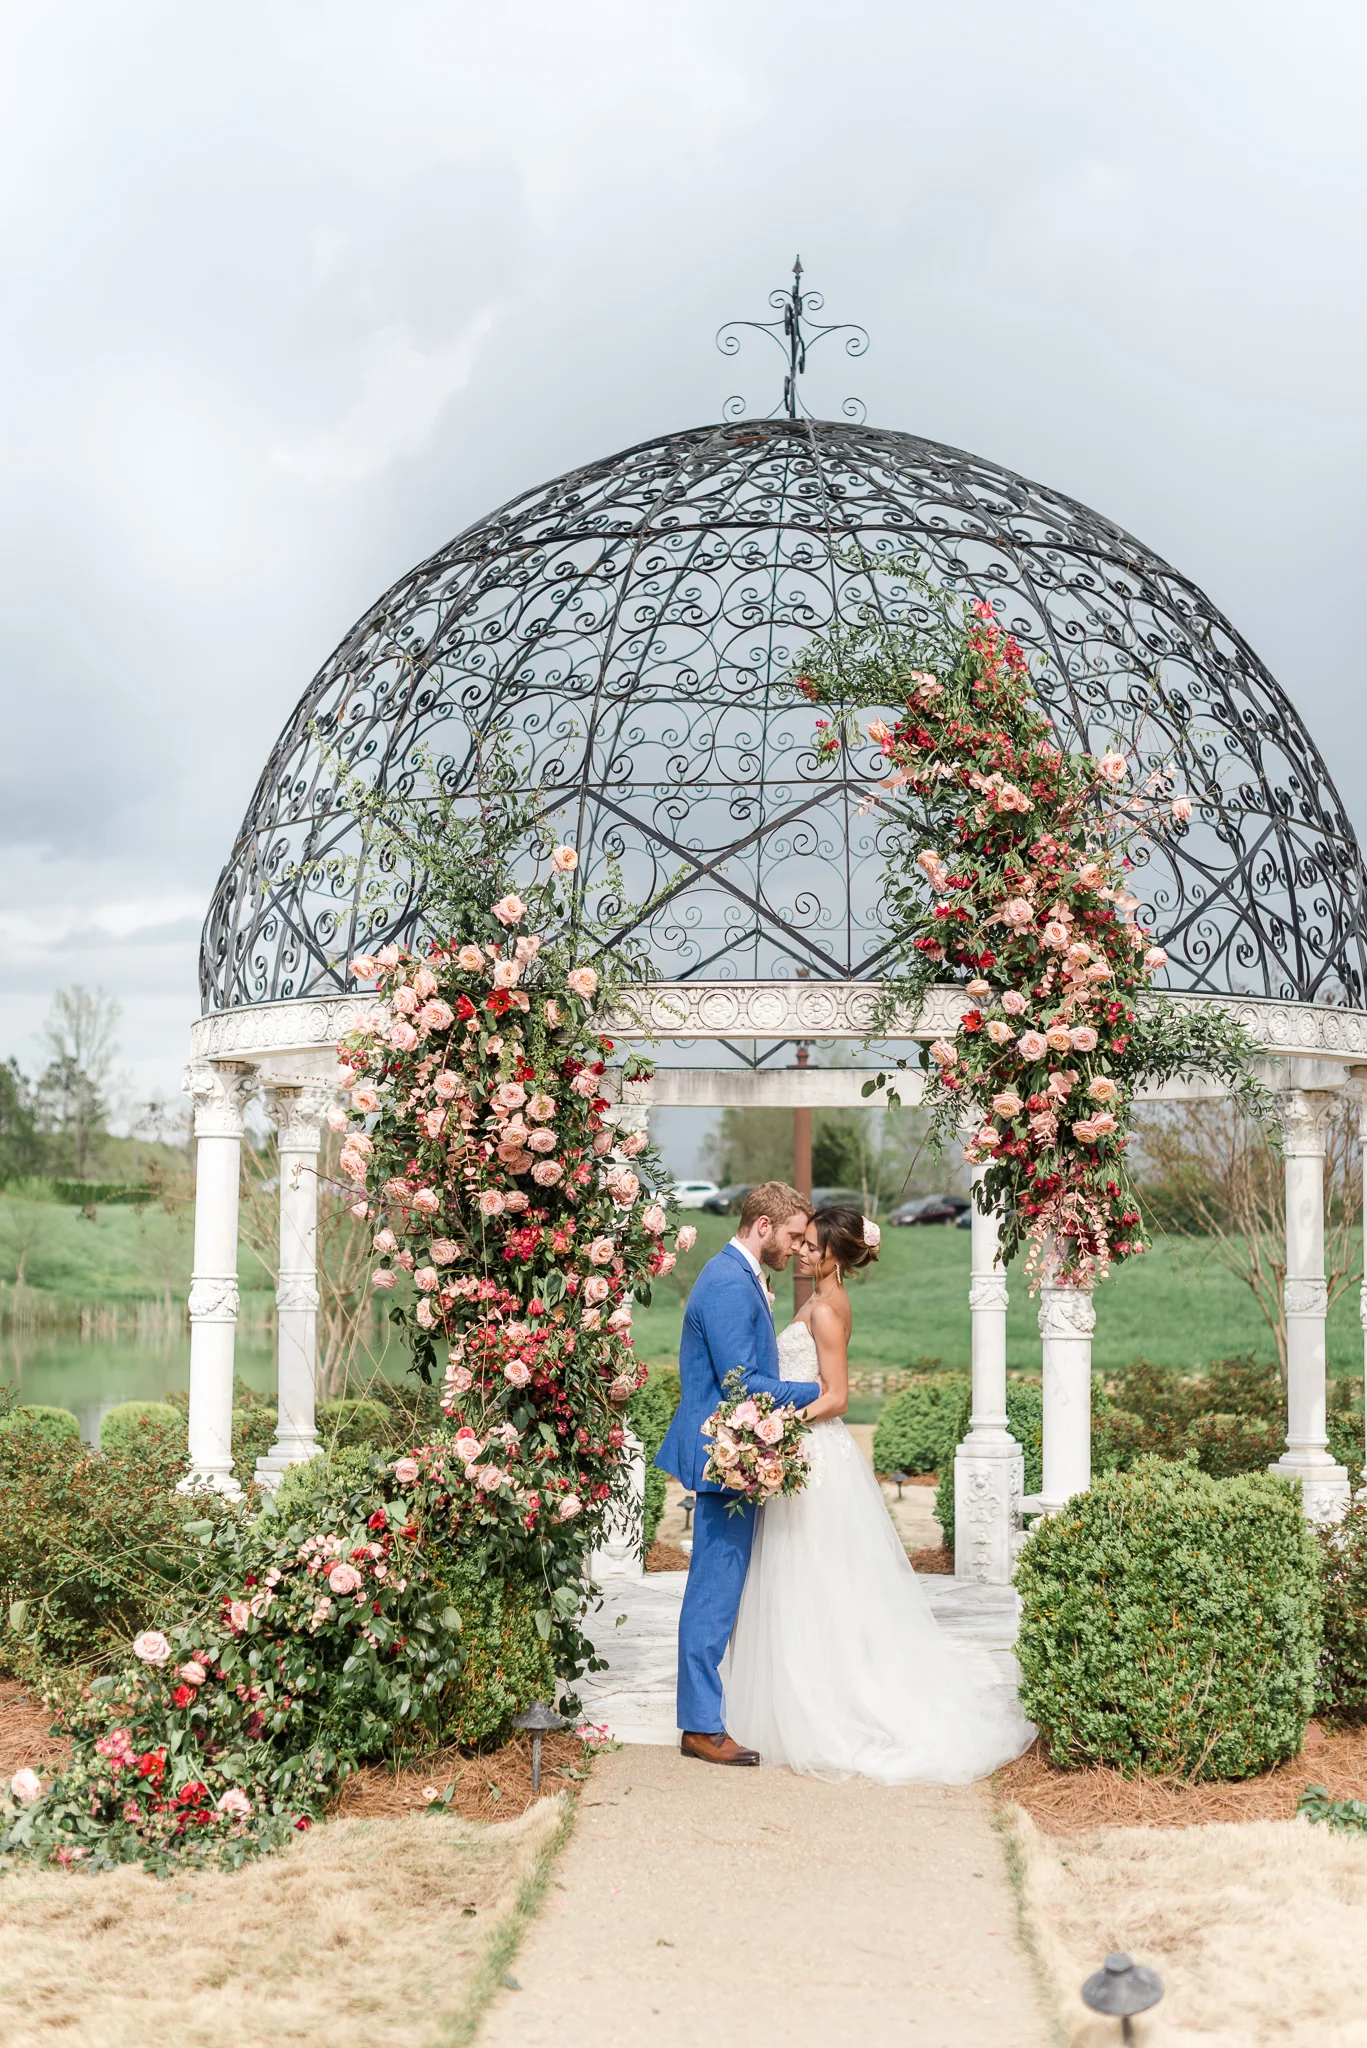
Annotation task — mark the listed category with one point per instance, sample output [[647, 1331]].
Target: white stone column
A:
[[1324, 1485], [619, 1556], [297, 1114], [989, 1470], [220, 1091], [1358, 1091], [1067, 1317]]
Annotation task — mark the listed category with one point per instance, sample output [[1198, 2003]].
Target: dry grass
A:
[[1074, 1802], [1255, 1929], [364, 1934]]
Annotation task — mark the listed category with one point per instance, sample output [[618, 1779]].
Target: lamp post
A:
[[538, 1720], [1120, 1988]]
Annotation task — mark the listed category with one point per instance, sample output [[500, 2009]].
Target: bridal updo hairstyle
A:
[[840, 1231]]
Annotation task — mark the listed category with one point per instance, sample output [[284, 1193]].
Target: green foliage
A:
[[253, 1435], [1343, 1551], [21, 1148], [1346, 1816], [1024, 1419], [345, 1424], [650, 1412], [123, 1428], [917, 1430], [507, 1663], [85, 1194], [1171, 1624], [54, 1425], [92, 1549]]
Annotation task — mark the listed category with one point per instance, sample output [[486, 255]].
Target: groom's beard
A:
[[773, 1258]]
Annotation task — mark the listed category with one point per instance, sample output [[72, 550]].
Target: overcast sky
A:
[[296, 291]]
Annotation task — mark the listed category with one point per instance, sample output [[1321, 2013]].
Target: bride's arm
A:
[[832, 1355]]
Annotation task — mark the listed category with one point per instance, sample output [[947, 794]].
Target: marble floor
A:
[[636, 1627]]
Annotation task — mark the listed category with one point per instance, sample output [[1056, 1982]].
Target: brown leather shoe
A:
[[716, 1749]]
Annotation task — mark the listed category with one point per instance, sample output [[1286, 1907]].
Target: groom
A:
[[728, 1324]]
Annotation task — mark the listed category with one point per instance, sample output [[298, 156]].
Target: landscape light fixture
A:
[[1121, 1988], [899, 1480], [540, 1720], [690, 1501]]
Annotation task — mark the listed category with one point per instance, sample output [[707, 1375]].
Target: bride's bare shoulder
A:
[[831, 1317]]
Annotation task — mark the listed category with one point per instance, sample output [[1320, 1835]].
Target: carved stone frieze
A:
[[295, 1292], [298, 1115], [1306, 1297], [988, 1290], [213, 1298], [1304, 1116], [220, 1093], [1066, 1312]]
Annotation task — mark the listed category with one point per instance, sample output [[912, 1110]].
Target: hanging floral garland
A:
[[1011, 876]]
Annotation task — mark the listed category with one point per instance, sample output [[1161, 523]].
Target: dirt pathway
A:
[[755, 1907]]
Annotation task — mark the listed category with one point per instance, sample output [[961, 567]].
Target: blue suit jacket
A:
[[727, 1326]]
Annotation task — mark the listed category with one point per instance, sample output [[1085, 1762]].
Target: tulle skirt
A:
[[837, 1666]]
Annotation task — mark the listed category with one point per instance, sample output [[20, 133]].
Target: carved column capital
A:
[[1066, 1312], [220, 1091], [1305, 1118], [988, 1290], [213, 1298], [1306, 1297], [298, 1114]]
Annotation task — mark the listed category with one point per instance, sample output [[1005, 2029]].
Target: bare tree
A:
[[1209, 1174], [81, 1034]]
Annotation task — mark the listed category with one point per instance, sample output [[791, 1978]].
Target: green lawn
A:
[[1176, 1306]]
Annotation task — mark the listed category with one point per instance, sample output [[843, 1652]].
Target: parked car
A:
[[829, 1198], [693, 1194], [932, 1209], [727, 1201]]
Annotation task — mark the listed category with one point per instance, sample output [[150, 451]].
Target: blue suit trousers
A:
[[722, 1541]]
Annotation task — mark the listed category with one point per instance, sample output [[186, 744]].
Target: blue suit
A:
[[727, 1326]]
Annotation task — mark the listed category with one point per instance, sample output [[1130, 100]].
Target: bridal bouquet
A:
[[758, 1450]]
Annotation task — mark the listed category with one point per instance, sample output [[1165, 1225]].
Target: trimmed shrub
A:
[[125, 1426], [507, 1662], [1171, 1624], [1343, 1552], [53, 1425], [253, 1435], [650, 1412], [346, 1425], [917, 1430], [1024, 1419]]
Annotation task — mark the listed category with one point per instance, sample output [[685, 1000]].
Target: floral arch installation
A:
[[634, 624]]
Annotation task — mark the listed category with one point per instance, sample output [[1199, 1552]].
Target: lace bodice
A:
[[797, 1360]]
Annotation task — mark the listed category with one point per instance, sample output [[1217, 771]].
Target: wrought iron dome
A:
[[633, 624]]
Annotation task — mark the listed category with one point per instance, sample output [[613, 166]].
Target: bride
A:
[[837, 1666]]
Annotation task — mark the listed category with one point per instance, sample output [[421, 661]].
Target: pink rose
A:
[[388, 956], [999, 1032], [602, 1142], [585, 1084], [445, 1251], [943, 1053], [514, 1202], [402, 1036], [597, 1287], [1032, 1045], [744, 1416], [569, 1506], [769, 1429], [491, 1203], [553, 1013], [541, 1108], [988, 1138], [459, 1378], [564, 860], [623, 1187], [665, 1263], [193, 1673], [1018, 912], [446, 1087], [1113, 766], [602, 1251], [687, 1238], [510, 1095], [1104, 1124], [425, 1316], [436, 1017], [343, 1579], [337, 1118], [383, 1276], [527, 948], [1058, 1038], [1082, 1038], [582, 981], [235, 1802], [878, 731], [26, 1786], [620, 1319], [541, 1141], [364, 967], [978, 988], [1085, 1132], [406, 1471], [365, 1098], [239, 1614], [152, 1647], [507, 973], [547, 1173], [385, 1241], [1008, 1103], [1013, 1003], [1181, 809], [428, 1200], [425, 983], [1155, 958], [404, 1000], [1056, 934], [510, 909], [637, 1142], [653, 1219], [517, 1373], [426, 1278], [590, 1319], [1103, 1089], [488, 1478], [470, 959], [1090, 874]]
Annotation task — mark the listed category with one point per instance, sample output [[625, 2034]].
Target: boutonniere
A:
[[769, 1294]]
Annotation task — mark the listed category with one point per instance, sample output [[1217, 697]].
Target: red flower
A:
[[192, 1794], [972, 1020], [498, 1002], [379, 1520], [183, 1695], [464, 1007], [151, 1764]]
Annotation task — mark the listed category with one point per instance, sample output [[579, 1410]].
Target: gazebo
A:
[[632, 626]]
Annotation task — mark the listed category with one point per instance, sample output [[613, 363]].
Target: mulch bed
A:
[[936, 1560], [25, 1733], [666, 1557], [1078, 1802], [496, 1785]]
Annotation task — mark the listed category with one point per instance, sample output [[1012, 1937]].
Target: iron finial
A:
[[794, 333]]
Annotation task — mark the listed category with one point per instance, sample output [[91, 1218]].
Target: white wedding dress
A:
[[837, 1666]]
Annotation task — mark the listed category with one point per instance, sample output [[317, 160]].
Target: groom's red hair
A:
[[774, 1199]]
